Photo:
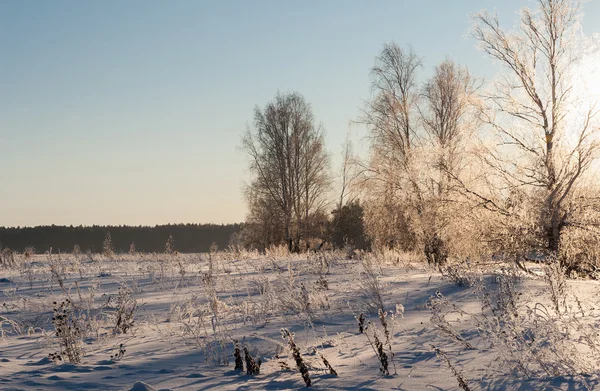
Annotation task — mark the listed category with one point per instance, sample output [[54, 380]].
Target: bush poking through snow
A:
[[239, 363], [7, 258], [28, 252], [289, 337], [370, 287], [305, 300], [554, 276], [437, 305], [462, 381], [386, 331], [527, 339], [107, 246], [361, 323], [328, 366], [120, 354], [377, 347], [463, 274], [68, 333], [170, 245], [125, 311], [14, 327], [383, 358], [132, 250], [504, 301], [252, 366]]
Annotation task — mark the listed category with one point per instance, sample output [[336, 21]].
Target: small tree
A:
[[347, 227], [107, 245], [170, 245], [29, 252]]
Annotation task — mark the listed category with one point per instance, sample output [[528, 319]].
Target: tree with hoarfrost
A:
[[542, 130], [418, 135]]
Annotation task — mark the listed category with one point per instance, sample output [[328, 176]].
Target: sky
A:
[[131, 112]]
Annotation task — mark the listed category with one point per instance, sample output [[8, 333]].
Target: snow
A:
[[141, 386], [173, 346]]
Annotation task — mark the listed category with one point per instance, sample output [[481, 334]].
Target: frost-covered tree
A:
[[418, 136], [107, 245], [544, 128], [170, 245], [391, 115]]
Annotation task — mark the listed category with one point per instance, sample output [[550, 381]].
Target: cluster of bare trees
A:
[[506, 162], [454, 164], [419, 135], [291, 167]]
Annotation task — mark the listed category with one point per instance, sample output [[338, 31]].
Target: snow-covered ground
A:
[[190, 308]]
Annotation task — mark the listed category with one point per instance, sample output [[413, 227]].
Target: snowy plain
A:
[[190, 308]]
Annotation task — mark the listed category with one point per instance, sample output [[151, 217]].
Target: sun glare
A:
[[586, 77]]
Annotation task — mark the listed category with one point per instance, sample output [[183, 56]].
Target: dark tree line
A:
[[188, 238]]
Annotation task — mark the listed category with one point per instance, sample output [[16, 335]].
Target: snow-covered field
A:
[[190, 308]]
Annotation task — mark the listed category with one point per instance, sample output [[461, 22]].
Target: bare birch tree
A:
[[289, 163], [392, 113], [348, 173], [546, 144]]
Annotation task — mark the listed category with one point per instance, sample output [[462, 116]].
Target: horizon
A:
[[115, 225], [132, 113]]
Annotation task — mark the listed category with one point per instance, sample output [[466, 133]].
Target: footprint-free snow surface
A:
[[171, 322]]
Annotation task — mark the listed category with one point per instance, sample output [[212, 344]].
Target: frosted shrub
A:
[[463, 274], [68, 332], [126, 307], [527, 339], [7, 258], [300, 364], [370, 287]]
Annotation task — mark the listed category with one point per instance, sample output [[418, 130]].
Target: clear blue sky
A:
[[131, 112]]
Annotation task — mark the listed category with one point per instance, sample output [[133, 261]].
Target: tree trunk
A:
[[554, 232], [288, 236]]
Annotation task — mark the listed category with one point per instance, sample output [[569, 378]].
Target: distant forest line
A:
[[188, 238]]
